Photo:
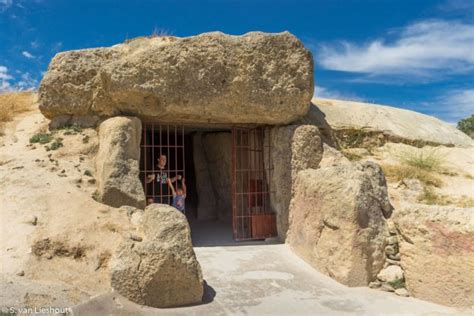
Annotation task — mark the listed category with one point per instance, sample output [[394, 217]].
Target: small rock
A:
[[390, 250], [32, 219], [78, 180], [374, 285], [37, 160], [394, 257], [63, 171], [392, 240], [387, 287], [402, 292], [390, 274], [391, 228], [135, 237], [49, 256], [21, 273], [91, 181]]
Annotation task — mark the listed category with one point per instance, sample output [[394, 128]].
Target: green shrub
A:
[[466, 125], [397, 284], [42, 138]]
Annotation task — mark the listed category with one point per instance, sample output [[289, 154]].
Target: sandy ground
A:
[[51, 187], [270, 280]]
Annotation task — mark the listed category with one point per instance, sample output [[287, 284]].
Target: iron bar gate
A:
[[251, 174], [161, 143]]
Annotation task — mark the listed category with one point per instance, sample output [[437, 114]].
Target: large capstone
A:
[[337, 221], [209, 78], [162, 269]]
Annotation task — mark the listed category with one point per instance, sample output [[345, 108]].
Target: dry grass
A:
[[425, 159], [400, 172], [14, 103], [430, 197]]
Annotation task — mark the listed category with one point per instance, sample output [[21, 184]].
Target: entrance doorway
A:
[[225, 172]]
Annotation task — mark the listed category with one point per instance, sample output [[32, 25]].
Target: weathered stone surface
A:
[[218, 151], [209, 78], [437, 252], [332, 157], [117, 162], [162, 270], [402, 292], [396, 124], [206, 208], [337, 222], [293, 148], [390, 274]]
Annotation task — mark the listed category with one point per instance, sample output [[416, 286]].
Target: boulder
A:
[[332, 157], [162, 269], [397, 125], [117, 163], [390, 274], [293, 148], [258, 77], [437, 252], [337, 221]]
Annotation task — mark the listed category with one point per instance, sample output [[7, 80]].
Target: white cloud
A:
[[27, 54], [423, 49], [4, 79], [325, 93], [455, 105], [7, 81], [5, 4]]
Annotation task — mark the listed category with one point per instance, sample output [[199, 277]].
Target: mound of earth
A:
[[394, 124]]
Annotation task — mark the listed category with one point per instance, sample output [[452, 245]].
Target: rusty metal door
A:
[[252, 217]]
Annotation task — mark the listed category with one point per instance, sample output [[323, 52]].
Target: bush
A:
[[42, 138], [467, 125]]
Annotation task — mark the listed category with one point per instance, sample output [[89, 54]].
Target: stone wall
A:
[[437, 252], [118, 162], [293, 148]]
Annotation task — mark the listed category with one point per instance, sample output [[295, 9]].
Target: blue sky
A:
[[411, 54]]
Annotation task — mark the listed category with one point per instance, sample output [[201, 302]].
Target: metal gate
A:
[[251, 210], [162, 157]]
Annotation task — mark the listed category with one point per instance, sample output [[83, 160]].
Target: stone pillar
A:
[[206, 197], [293, 148], [118, 162]]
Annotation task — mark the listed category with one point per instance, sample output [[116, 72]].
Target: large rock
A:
[[117, 162], [209, 78], [293, 148], [437, 252], [337, 221], [162, 270], [395, 124]]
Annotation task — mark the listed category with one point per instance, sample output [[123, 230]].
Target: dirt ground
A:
[[52, 228]]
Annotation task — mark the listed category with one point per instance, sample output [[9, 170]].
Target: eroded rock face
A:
[[293, 148], [209, 78], [118, 162], [162, 269], [337, 221], [437, 252]]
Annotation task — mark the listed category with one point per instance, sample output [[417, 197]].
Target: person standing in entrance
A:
[[163, 195]]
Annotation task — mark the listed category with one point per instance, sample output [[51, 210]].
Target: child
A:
[[179, 196]]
